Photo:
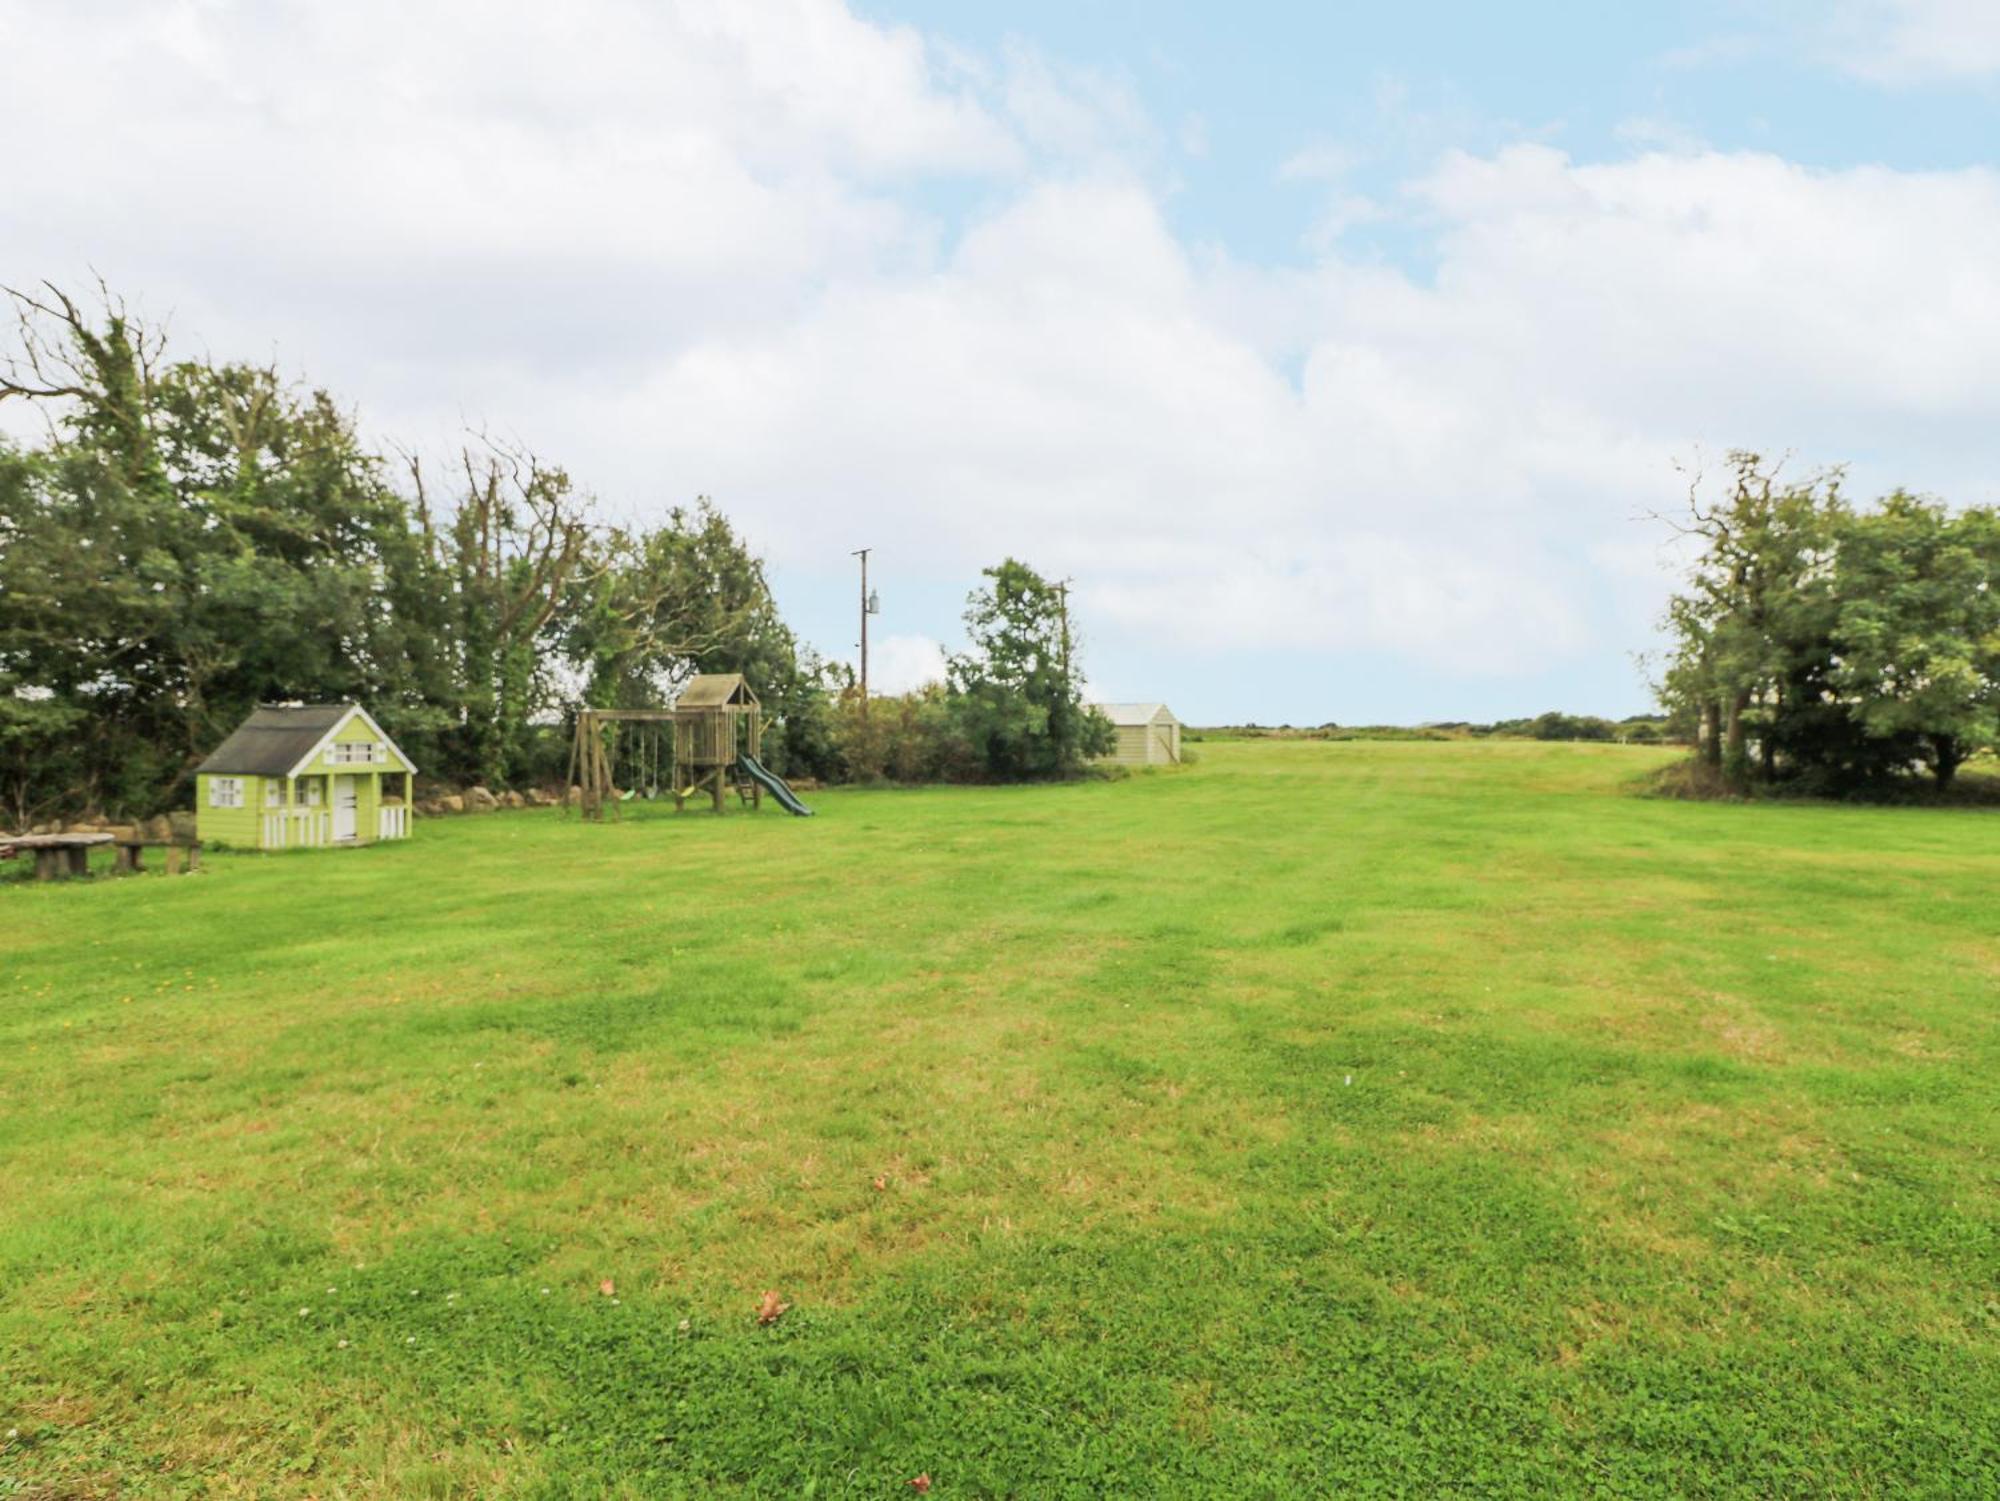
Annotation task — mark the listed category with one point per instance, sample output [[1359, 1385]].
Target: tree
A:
[[1918, 630], [1850, 646], [37, 730], [1752, 621], [1018, 689], [189, 539], [192, 538], [505, 560], [690, 596]]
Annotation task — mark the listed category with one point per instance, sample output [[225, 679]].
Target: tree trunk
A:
[[1709, 735], [1947, 758], [1734, 760]]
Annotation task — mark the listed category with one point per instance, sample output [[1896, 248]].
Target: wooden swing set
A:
[[714, 724]]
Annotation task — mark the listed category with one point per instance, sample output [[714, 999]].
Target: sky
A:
[[1339, 355]]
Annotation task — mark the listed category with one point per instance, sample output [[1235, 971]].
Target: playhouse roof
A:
[[709, 690], [276, 738], [1131, 714]]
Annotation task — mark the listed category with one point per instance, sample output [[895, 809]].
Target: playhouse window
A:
[[309, 791], [225, 792], [357, 752], [274, 793]]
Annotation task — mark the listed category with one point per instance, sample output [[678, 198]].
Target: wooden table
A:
[[59, 855]]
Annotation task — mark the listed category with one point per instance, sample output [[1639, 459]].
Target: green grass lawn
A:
[[1320, 1119]]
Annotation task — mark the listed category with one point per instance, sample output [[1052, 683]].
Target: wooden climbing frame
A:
[[716, 722]]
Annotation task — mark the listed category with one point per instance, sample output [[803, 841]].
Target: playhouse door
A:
[[346, 806]]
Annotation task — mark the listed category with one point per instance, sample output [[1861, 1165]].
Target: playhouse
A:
[[304, 775]]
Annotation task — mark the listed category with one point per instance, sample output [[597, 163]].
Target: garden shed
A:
[[1148, 734], [297, 775]]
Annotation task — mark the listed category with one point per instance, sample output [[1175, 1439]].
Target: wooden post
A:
[[673, 733], [569, 776], [79, 859], [49, 863], [606, 785]]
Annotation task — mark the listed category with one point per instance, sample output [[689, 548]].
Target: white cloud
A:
[[1905, 41], [546, 187], [686, 249], [1890, 42], [1452, 457], [1658, 133]]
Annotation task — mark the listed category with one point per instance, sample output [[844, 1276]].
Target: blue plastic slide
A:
[[774, 784]]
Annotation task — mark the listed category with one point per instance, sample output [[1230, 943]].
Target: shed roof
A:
[[274, 739], [709, 690], [1130, 714]]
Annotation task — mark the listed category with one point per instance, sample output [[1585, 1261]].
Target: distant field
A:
[[1343, 1118]]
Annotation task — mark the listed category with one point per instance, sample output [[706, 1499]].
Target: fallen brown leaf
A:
[[921, 1484], [770, 1310], [880, 1184], [607, 1289]]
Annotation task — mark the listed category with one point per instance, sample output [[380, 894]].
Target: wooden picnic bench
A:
[[58, 855], [132, 853]]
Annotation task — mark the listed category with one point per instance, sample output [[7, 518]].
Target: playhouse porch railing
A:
[[392, 821], [297, 828]]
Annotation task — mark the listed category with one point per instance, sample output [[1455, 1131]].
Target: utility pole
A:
[[1062, 607], [862, 553]]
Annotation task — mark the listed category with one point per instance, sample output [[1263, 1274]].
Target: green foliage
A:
[[909, 738], [189, 540], [196, 538], [1354, 1119], [689, 596], [1017, 690], [1011, 708], [1918, 628], [1831, 647]]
